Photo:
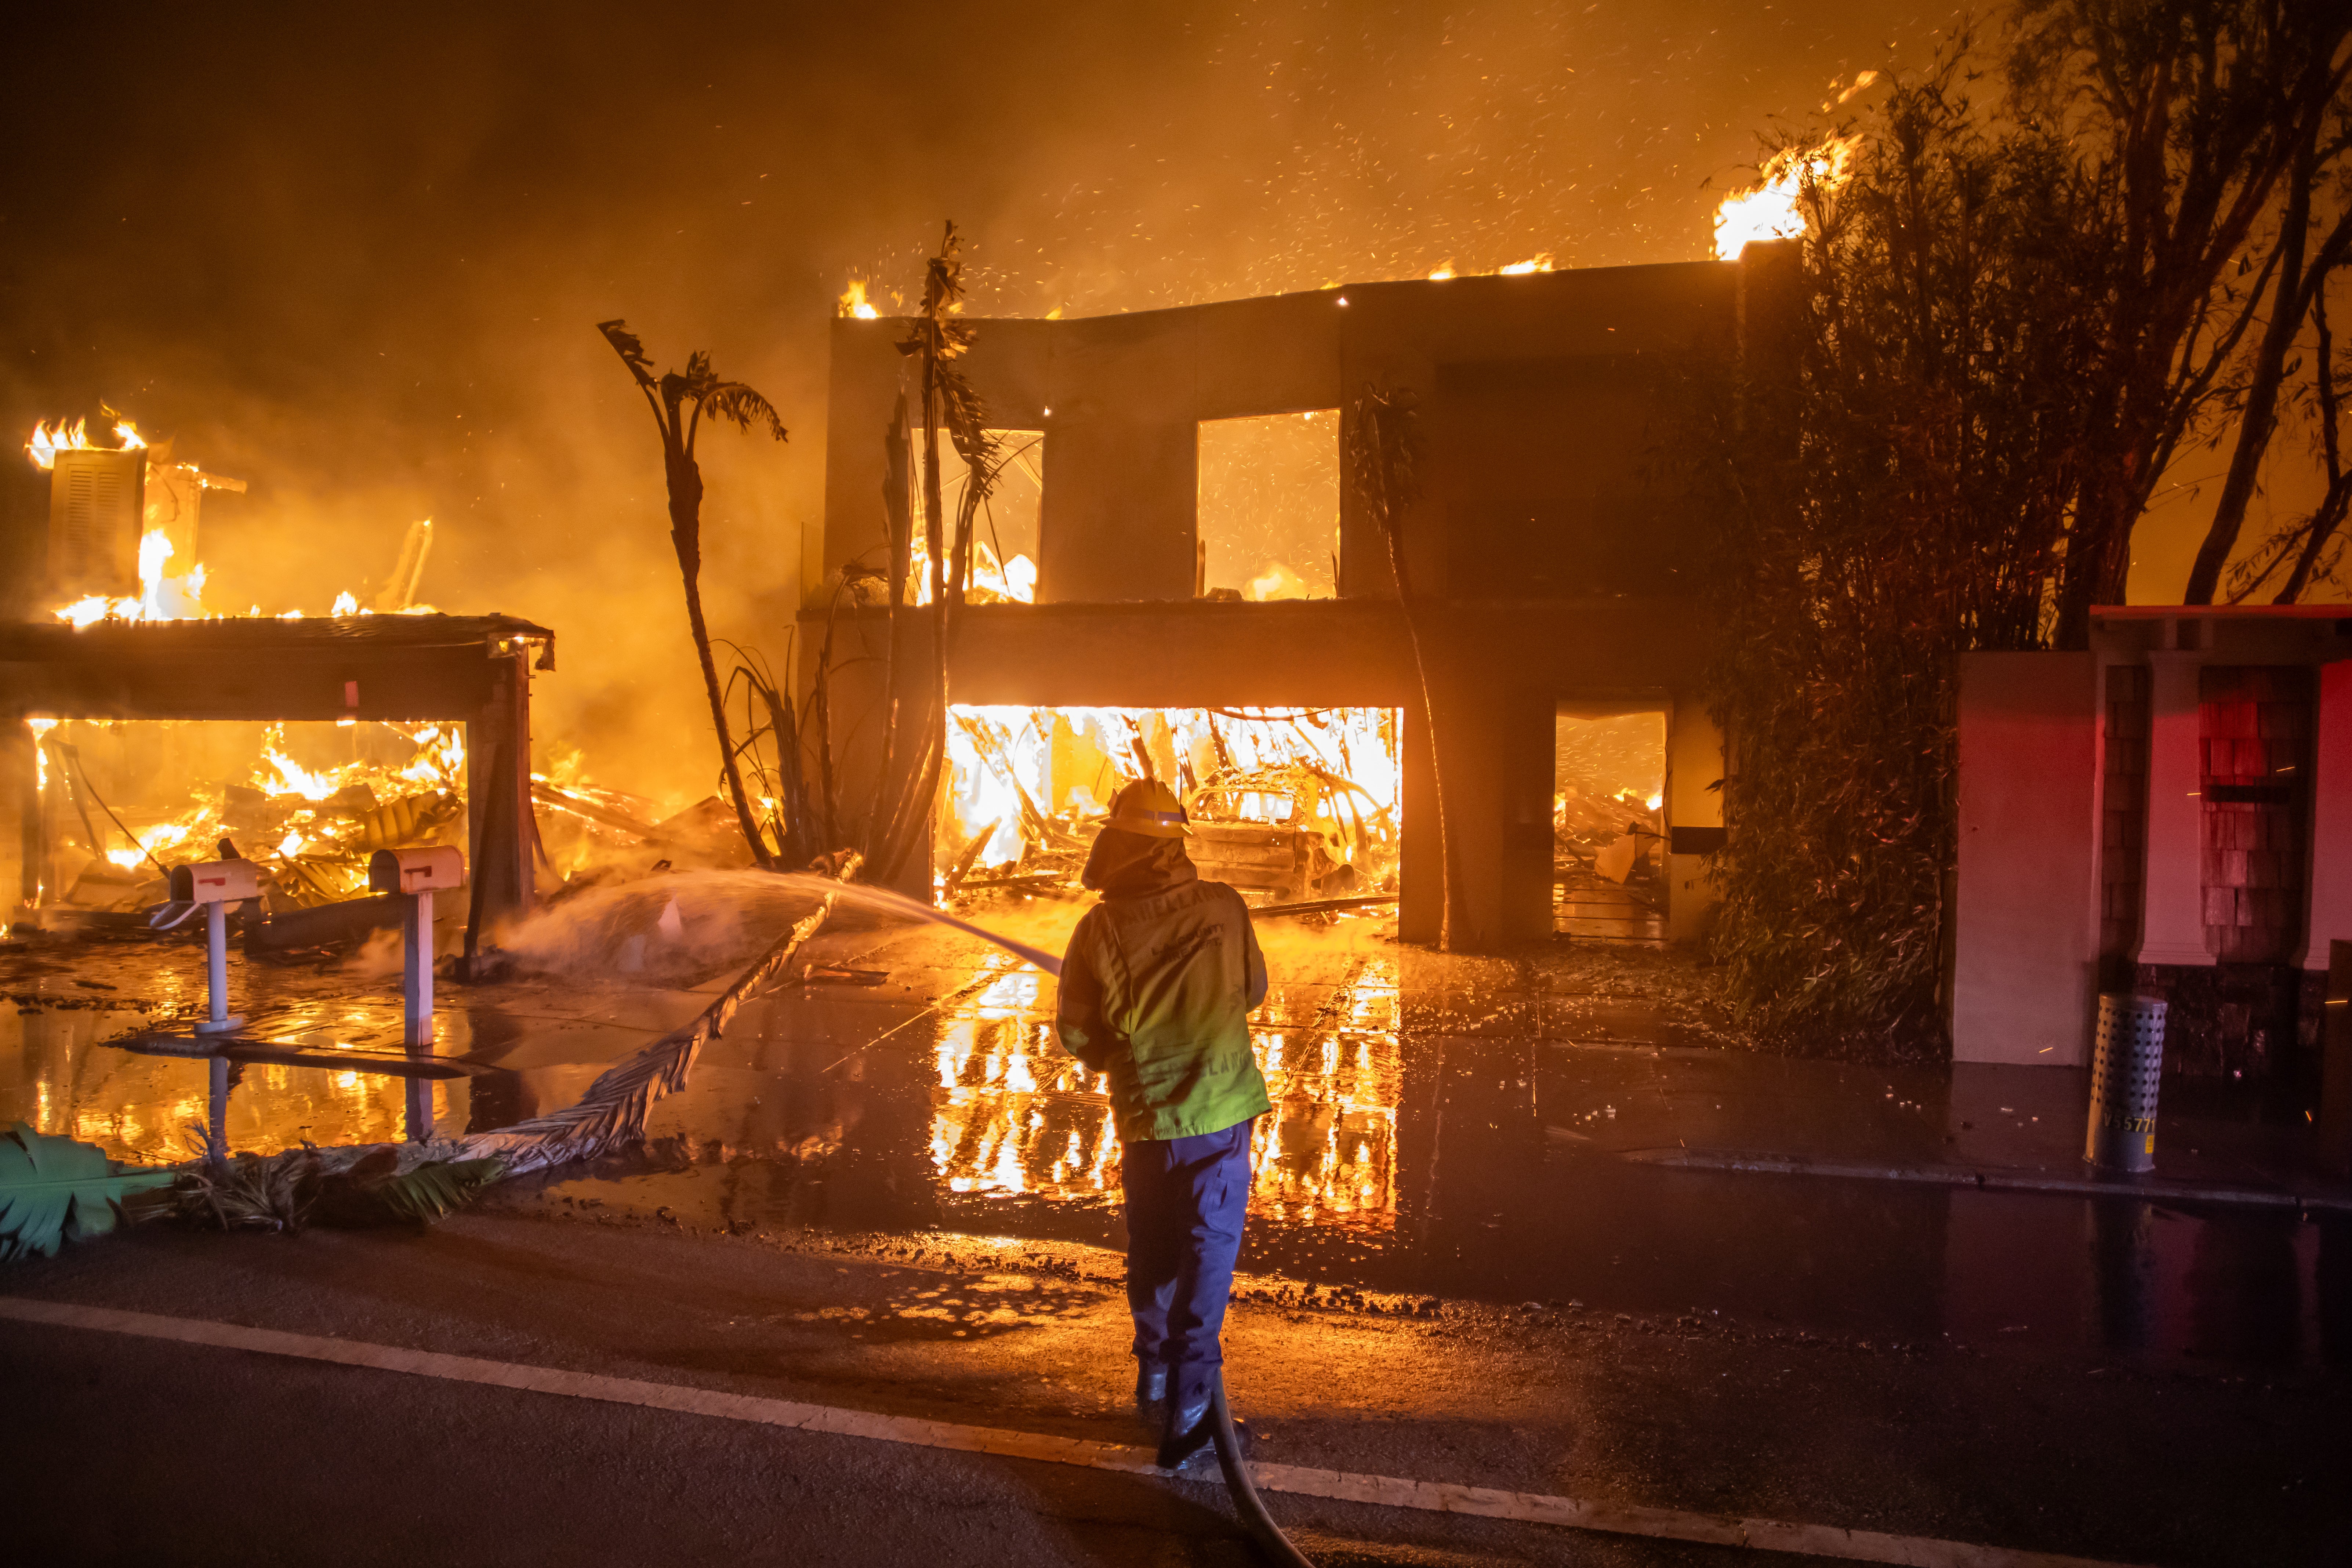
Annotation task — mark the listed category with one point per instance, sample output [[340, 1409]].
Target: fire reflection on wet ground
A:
[[1442, 1126], [1015, 1115]]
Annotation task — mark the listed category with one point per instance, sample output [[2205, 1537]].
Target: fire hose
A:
[[1238, 1482]]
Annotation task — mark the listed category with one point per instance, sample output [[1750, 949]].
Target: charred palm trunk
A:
[[686, 537]]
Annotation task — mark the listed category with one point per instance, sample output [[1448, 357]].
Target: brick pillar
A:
[[2172, 922], [2328, 874]]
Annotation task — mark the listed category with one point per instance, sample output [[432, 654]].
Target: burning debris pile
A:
[[310, 826], [117, 788], [1287, 804]]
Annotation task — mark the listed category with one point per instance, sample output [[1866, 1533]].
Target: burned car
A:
[[1289, 834]]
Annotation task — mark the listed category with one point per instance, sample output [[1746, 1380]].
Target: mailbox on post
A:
[[416, 875], [212, 886], [415, 870]]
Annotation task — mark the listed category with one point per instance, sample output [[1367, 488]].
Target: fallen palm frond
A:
[[352, 1187], [247, 1192], [375, 1191], [614, 1109], [54, 1189]]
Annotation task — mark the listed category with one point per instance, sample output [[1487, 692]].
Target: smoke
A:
[[662, 931], [358, 262]]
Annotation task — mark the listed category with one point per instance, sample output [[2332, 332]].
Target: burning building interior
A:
[[1184, 586]]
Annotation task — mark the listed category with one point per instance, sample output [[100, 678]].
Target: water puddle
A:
[[1447, 1128]]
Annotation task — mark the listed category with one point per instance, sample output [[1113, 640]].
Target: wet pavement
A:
[[1445, 1129]]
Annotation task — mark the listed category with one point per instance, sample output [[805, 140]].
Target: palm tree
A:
[[679, 404]]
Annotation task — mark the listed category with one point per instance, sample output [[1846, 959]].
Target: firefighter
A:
[[1156, 991]]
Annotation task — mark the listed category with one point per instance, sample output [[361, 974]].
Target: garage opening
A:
[[1288, 804]]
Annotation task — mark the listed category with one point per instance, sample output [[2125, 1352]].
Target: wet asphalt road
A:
[[136, 1451], [895, 1197]]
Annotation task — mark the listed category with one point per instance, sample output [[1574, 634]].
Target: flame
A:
[[1066, 760], [293, 778], [163, 836], [313, 845], [1542, 262], [854, 302], [46, 443], [1655, 800], [161, 596], [1010, 582], [1774, 209]]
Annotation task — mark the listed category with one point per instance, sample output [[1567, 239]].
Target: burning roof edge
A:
[[1559, 278], [41, 641]]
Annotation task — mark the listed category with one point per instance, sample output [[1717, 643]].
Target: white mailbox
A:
[[417, 874], [416, 870], [216, 882], [212, 886]]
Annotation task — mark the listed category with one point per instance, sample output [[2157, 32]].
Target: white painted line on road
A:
[[1392, 1491]]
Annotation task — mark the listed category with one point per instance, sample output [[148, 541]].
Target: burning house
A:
[[1177, 578], [145, 731]]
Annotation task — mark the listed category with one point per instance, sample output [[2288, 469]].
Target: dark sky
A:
[[355, 256]]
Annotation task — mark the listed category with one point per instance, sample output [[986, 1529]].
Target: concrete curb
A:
[[2141, 1189]]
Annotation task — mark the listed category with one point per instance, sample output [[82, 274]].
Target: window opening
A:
[[1006, 528], [1267, 513]]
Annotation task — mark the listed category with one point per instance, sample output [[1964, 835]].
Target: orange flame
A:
[[1774, 209], [854, 302], [47, 443]]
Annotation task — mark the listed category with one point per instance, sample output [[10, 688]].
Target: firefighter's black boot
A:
[[1189, 1429]]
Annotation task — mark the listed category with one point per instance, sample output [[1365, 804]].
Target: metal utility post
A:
[[414, 875]]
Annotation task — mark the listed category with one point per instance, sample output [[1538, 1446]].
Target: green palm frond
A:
[[54, 1189], [430, 1191], [375, 1191]]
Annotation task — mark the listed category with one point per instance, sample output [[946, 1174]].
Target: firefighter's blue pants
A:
[[1186, 1198]]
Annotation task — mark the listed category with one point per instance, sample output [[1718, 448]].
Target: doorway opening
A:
[[1609, 827]]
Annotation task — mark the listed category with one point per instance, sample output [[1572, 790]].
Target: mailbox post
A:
[[212, 886], [415, 874]]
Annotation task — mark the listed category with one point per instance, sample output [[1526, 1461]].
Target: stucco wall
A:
[[2025, 982]]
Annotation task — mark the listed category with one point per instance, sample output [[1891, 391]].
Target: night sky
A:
[[355, 257]]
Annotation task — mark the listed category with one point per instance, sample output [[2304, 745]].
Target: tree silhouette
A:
[[679, 404]]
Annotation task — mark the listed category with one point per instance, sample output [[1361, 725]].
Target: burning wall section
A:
[[1549, 561]]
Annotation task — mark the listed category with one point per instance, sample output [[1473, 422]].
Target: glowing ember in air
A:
[[854, 301], [1774, 210]]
